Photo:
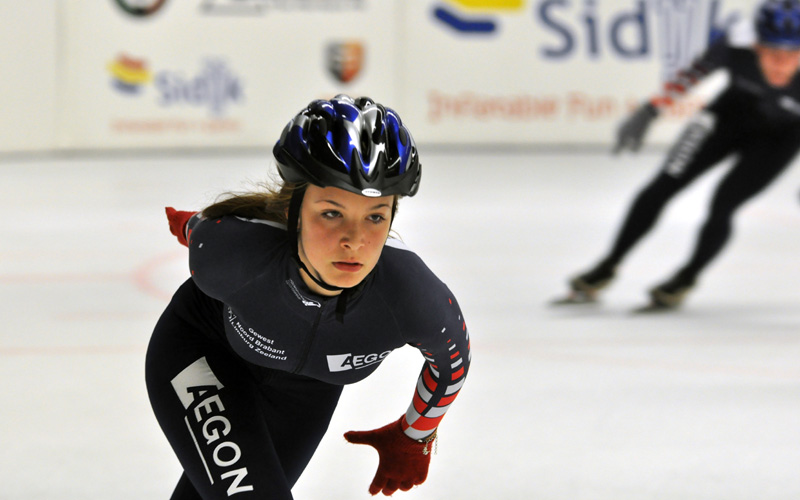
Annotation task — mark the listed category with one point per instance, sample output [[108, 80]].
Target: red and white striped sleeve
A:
[[688, 78], [447, 359]]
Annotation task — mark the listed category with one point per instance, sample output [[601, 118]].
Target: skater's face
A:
[[341, 235], [778, 65]]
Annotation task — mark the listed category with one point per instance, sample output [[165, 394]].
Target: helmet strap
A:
[[292, 223], [293, 219]]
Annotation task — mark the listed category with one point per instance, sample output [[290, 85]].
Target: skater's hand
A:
[[403, 462], [177, 223], [632, 131]]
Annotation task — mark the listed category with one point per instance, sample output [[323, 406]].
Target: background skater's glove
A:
[[632, 131], [403, 462], [177, 223]]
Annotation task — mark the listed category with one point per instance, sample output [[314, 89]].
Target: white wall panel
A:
[[28, 75]]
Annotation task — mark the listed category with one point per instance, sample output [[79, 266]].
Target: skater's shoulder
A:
[[397, 254], [403, 271], [229, 251], [239, 236], [402, 264]]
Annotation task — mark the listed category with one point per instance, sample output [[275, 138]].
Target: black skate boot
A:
[[670, 294], [584, 287]]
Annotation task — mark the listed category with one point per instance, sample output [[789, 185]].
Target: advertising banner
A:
[[551, 71], [214, 73], [128, 74]]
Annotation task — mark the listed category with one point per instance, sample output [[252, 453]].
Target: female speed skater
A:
[[295, 292]]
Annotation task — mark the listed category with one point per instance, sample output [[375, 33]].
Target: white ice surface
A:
[[586, 403]]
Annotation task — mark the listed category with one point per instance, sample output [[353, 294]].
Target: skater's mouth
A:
[[350, 267]]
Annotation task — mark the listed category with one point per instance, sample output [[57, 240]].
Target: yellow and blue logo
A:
[[129, 74], [474, 16]]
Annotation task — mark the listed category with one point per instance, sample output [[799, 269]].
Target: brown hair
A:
[[271, 203]]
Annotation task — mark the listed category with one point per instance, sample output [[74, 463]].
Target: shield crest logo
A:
[[345, 60]]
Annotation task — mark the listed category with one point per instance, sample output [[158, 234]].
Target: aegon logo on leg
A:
[[198, 389], [343, 362]]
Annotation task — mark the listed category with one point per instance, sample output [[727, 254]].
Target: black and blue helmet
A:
[[778, 24], [353, 144]]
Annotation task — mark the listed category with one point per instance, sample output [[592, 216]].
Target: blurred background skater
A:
[[295, 293], [756, 119]]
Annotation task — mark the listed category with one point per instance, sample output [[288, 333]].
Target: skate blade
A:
[[575, 298], [654, 308]]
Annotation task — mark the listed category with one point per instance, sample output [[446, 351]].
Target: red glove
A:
[[403, 462], [177, 223]]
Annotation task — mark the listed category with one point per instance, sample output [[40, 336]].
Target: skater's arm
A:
[[688, 78], [443, 374], [429, 319], [179, 222], [405, 446], [631, 133]]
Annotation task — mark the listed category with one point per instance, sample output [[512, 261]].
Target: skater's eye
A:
[[376, 218], [331, 214]]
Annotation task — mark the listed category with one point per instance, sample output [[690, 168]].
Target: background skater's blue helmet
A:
[[778, 24], [353, 144]]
